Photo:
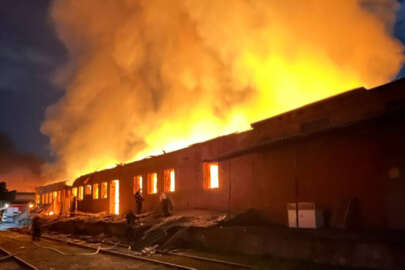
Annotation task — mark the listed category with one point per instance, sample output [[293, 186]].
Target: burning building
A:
[[56, 198], [343, 156], [140, 80]]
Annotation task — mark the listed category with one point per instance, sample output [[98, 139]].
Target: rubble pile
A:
[[151, 231], [244, 233]]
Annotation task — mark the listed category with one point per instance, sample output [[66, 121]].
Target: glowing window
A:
[[95, 191], [138, 183], [104, 190], [169, 184], [88, 190], [152, 183], [74, 191], [55, 195], [115, 197], [211, 177], [81, 193]]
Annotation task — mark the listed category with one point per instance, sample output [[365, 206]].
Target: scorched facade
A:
[[344, 154]]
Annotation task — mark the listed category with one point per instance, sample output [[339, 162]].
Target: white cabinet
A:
[[309, 217]]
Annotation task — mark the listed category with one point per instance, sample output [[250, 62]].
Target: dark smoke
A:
[[21, 171]]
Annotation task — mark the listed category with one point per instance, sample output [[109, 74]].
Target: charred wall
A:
[[361, 163], [348, 148]]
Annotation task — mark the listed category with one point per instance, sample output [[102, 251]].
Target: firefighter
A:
[[131, 218], [36, 229], [139, 201], [166, 203]]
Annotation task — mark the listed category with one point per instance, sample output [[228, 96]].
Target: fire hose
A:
[[99, 248], [7, 257]]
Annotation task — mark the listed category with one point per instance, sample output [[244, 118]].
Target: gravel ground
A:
[[257, 262], [50, 260]]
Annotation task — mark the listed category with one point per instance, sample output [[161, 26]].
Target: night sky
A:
[[30, 53]]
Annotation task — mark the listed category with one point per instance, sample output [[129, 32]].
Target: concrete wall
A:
[[365, 162], [24, 196]]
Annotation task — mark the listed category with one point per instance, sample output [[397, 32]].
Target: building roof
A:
[[52, 187], [343, 110]]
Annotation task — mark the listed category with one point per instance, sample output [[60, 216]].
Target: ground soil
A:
[[48, 259]]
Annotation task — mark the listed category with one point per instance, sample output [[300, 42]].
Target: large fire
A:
[[154, 75]]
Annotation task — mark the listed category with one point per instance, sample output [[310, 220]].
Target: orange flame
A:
[[153, 75]]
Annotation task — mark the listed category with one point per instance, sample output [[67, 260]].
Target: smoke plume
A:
[[20, 171], [153, 75]]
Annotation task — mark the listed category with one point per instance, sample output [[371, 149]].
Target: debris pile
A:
[[149, 233]]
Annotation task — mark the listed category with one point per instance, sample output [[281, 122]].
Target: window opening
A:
[[152, 183], [169, 180]]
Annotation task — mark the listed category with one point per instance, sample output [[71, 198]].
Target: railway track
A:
[[47, 255], [172, 260], [66, 250], [11, 261], [58, 251]]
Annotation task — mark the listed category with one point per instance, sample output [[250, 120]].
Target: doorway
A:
[[115, 197]]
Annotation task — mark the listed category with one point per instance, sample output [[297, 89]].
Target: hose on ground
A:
[[70, 254], [7, 257]]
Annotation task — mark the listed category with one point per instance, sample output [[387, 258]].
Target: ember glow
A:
[[172, 181], [154, 75], [115, 187], [214, 181], [153, 183]]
